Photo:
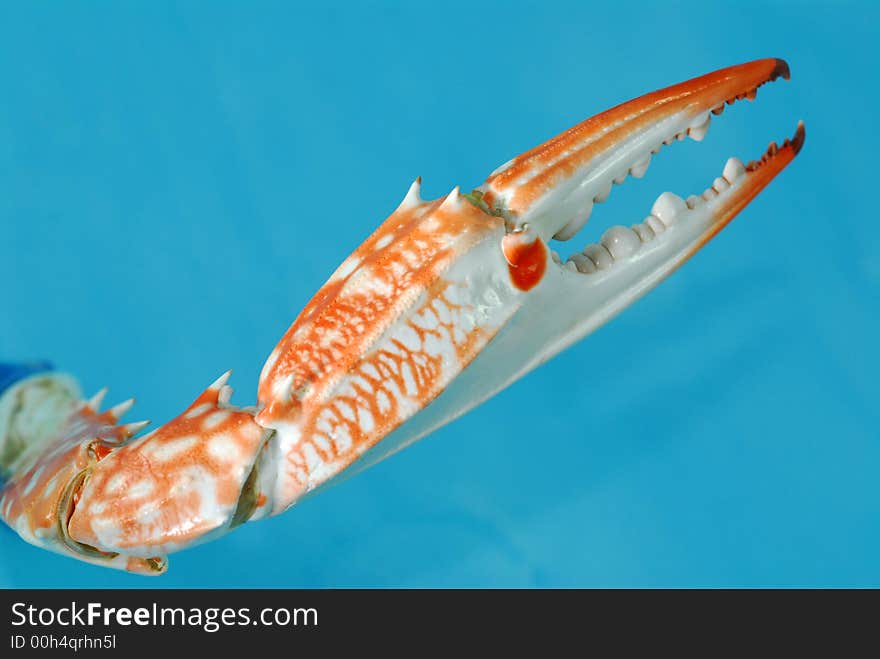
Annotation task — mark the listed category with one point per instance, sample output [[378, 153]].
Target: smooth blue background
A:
[[177, 181]]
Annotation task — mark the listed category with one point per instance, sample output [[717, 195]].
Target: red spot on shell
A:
[[102, 451], [526, 259]]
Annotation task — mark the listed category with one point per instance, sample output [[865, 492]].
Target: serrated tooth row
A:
[[698, 129], [667, 205], [620, 242], [638, 170], [617, 243]]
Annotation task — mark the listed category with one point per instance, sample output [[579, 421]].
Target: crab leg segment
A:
[[187, 481], [40, 496]]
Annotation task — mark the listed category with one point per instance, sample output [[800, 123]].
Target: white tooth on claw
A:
[[709, 194], [582, 263], [620, 179], [638, 170], [720, 184], [556, 258], [603, 195], [692, 201], [680, 137], [643, 231], [656, 225], [733, 169], [570, 229], [621, 242], [698, 132], [599, 255], [570, 265], [667, 206]]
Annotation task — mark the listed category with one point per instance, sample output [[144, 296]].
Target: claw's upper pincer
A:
[[553, 186]]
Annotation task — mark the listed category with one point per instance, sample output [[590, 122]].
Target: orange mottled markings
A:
[[172, 486], [379, 340], [395, 265], [530, 175], [382, 390]]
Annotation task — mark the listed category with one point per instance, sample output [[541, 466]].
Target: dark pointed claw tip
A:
[[800, 135], [781, 69]]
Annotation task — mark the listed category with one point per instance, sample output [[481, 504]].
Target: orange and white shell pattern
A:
[[37, 501], [396, 322], [175, 486], [448, 302]]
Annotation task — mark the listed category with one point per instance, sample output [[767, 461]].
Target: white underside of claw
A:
[[574, 299]]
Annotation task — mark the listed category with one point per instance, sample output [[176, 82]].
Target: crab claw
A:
[[451, 300], [551, 190], [448, 302]]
